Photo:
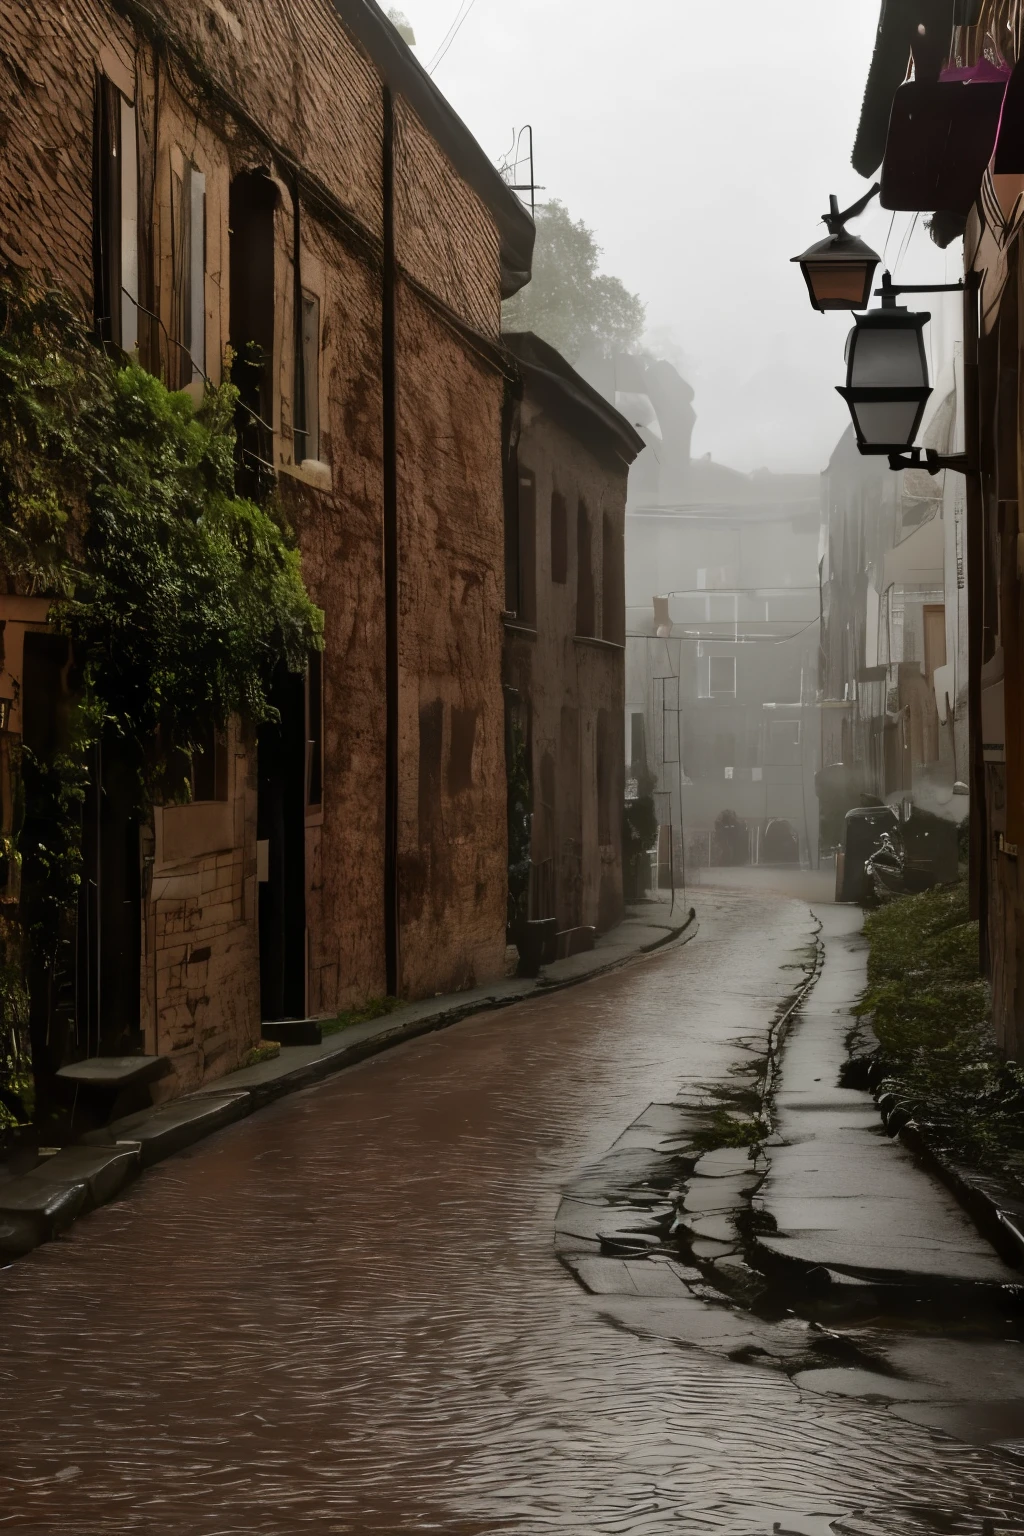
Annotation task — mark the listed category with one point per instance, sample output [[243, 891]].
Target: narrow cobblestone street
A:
[[347, 1315]]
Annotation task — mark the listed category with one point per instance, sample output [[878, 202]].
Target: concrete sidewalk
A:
[[844, 1196], [38, 1205]]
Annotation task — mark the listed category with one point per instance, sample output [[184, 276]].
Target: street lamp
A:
[[887, 385], [839, 270]]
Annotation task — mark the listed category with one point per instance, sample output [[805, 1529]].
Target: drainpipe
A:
[[392, 962], [975, 617]]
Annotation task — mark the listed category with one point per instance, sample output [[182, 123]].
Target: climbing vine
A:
[[178, 597]]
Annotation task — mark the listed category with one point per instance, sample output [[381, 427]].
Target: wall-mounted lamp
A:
[[887, 385], [840, 269]]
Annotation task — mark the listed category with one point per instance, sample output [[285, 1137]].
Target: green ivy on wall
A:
[[179, 597]]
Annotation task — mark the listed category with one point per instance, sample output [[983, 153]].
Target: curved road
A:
[[345, 1313]]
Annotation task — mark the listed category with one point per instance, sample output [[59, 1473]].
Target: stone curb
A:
[[996, 1211], [38, 1206]]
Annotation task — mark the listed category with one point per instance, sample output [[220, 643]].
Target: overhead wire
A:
[[450, 35]]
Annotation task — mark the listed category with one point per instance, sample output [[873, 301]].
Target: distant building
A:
[[722, 637], [570, 453]]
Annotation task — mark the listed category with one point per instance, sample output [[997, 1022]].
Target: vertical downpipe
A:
[[975, 542], [388, 371]]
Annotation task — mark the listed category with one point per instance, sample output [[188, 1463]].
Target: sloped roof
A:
[[403, 73], [564, 390], [897, 30]]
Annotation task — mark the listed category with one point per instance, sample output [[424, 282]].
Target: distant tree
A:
[[569, 303], [402, 25]]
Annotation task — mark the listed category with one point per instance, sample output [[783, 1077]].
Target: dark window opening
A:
[[315, 729], [460, 750], [252, 207], [431, 740], [208, 770], [604, 777], [613, 591], [307, 422], [115, 217], [559, 539], [584, 573]]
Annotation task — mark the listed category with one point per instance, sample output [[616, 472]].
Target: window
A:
[[722, 676], [559, 540], [605, 782], [188, 234], [784, 741], [208, 770], [584, 573], [307, 425], [115, 217], [613, 589], [252, 207], [315, 729]]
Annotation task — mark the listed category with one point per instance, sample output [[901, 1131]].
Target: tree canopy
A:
[[569, 304]]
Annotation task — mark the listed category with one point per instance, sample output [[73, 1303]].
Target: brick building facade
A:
[[279, 177], [565, 633]]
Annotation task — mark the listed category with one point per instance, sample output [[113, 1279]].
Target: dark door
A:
[[281, 828]]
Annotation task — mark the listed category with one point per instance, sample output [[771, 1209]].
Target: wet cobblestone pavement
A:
[[346, 1313]]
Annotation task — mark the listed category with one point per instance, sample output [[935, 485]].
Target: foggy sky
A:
[[700, 141]]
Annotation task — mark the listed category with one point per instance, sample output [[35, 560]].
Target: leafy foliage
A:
[[179, 598], [568, 303], [930, 1009]]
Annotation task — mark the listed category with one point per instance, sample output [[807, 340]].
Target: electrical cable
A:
[[451, 35]]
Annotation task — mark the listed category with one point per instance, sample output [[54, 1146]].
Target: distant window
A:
[[584, 573], [315, 729], [307, 426], [559, 540], [722, 675], [115, 217], [613, 590], [605, 781]]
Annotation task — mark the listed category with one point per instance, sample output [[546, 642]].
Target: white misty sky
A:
[[700, 141]]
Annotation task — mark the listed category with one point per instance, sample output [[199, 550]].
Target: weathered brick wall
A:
[[569, 681], [302, 78], [445, 236], [340, 533], [200, 962], [451, 541], [48, 57]]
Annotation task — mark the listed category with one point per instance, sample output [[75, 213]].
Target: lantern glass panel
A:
[[892, 423], [887, 357], [840, 285]]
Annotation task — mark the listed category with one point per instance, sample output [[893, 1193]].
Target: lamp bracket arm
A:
[[836, 221], [931, 462]]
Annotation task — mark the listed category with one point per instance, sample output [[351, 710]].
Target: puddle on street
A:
[[346, 1314]]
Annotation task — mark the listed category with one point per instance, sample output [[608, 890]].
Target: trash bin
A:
[[862, 831]]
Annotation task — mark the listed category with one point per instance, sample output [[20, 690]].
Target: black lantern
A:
[[887, 384], [840, 269]]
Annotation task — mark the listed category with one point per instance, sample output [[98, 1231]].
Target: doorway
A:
[[281, 834]]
